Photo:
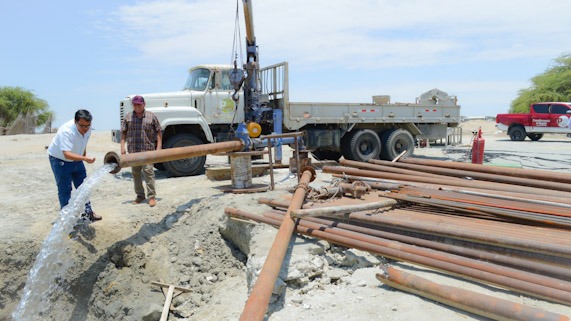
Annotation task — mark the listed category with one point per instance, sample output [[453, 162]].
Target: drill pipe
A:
[[520, 204], [170, 154], [465, 173], [531, 289], [466, 300], [447, 180], [340, 210], [477, 234], [513, 261], [484, 267], [517, 172], [452, 236], [551, 220], [390, 184], [259, 298], [277, 203], [480, 231]]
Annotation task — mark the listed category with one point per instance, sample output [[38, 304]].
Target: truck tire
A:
[[320, 154], [361, 145], [535, 136], [188, 166], [517, 133], [395, 142]]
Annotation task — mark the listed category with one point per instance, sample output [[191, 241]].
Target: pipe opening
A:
[[113, 158]]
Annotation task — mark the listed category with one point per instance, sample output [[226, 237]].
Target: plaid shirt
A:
[[141, 133]]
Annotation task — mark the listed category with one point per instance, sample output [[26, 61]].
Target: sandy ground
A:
[[180, 242]]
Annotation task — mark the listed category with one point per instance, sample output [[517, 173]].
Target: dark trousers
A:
[[65, 174]]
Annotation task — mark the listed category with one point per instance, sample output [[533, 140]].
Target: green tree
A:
[[15, 101], [552, 85]]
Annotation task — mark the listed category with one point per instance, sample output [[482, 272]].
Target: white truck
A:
[[205, 112], [216, 98]]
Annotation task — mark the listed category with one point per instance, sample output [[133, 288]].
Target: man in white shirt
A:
[[67, 152]]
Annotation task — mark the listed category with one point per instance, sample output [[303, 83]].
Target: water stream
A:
[[44, 285]]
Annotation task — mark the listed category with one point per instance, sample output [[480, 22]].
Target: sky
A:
[[91, 54]]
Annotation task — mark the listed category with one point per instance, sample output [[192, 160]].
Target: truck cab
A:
[[199, 113]]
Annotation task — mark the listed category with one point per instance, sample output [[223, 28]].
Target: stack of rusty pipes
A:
[[489, 246], [537, 285]]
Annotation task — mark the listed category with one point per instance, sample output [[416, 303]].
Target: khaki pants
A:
[[149, 172]]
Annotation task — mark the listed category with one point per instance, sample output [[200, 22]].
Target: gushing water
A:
[[44, 284]]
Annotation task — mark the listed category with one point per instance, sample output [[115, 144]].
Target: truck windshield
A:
[[197, 80]]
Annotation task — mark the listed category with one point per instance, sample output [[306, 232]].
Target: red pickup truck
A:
[[552, 118]]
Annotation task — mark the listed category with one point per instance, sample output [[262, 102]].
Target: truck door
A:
[[559, 116], [540, 116], [222, 109]]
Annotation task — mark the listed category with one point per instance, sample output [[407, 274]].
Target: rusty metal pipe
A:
[[517, 172], [523, 204], [259, 298], [389, 184], [391, 169], [511, 260], [443, 229], [448, 181], [497, 249], [499, 178], [532, 289], [170, 154], [414, 224], [551, 220], [339, 210], [277, 203], [486, 267], [466, 300]]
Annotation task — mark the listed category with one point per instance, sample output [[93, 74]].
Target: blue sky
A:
[[90, 54]]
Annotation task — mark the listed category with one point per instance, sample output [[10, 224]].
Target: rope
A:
[[236, 43]]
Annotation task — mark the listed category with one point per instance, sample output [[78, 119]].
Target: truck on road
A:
[[543, 118], [217, 98]]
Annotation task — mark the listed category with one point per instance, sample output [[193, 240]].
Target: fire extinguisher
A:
[[478, 148]]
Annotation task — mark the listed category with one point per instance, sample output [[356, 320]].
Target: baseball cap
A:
[[138, 100]]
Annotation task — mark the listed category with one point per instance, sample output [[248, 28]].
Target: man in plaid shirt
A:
[[141, 131]]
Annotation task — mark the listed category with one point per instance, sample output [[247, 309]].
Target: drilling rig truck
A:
[[217, 98]]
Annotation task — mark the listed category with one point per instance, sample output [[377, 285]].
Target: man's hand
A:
[[90, 160]]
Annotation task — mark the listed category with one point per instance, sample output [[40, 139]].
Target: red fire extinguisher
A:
[[478, 148]]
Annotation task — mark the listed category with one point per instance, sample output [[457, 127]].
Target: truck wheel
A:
[[517, 133], [535, 136], [361, 145], [395, 142], [188, 166], [320, 154]]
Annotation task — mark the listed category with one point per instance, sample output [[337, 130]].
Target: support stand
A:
[[241, 174]]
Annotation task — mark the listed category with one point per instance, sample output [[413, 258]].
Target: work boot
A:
[[152, 202], [94, 217], [138, 200]]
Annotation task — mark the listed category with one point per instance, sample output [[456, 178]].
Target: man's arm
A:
[[159, 140], [76, 157], [123, 139]]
